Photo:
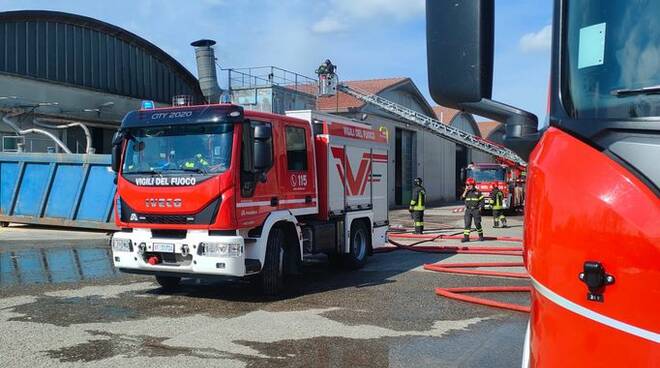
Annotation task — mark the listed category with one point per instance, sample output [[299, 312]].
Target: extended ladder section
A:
[[432, 125]]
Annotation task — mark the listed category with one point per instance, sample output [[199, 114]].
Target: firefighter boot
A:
[[503, 222], [496, 223]]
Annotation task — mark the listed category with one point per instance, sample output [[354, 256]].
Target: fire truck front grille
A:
[[166, 219]]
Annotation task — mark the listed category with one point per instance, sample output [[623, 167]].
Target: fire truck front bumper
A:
[[198, 254]]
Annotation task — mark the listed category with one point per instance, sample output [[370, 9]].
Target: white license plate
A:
[[164, 247]]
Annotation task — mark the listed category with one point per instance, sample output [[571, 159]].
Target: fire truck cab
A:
[[216, 190], [507, 179]]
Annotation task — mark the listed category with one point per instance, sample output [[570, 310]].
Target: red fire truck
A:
[[592, 217], [507, 178], [215, 190]]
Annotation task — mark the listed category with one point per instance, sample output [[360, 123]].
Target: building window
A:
[[296, 149]]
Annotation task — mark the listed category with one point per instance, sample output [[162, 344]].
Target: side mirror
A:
[[262, 148], [459, 47], [117, 141]]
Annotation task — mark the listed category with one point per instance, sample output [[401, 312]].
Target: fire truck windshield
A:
[[200, 148], [486, 175], [611, 51]]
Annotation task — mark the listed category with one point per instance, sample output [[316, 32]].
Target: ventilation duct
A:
[[206, 72]]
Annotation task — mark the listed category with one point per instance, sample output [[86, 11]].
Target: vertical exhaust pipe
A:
[[208, 78]]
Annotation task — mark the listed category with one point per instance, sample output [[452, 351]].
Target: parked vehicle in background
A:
[[506, 177]]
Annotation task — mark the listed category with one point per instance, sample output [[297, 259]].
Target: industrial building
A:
[[67, 70], [59, 68]]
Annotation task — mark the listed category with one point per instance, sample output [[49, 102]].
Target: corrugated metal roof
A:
[[86, 52]]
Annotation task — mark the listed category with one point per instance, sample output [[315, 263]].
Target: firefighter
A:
[[498, 206], [197, 161], [473, 203], [418, 205], [326, 68]]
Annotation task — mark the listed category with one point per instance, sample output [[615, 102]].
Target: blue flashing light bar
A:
[[147, 105]]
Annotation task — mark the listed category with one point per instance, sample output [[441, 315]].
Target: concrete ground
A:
[[68, 307]]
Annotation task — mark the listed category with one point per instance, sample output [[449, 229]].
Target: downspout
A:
[[88, 136], [19, 131]]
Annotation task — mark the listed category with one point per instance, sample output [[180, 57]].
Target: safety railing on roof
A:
[[266, 76]]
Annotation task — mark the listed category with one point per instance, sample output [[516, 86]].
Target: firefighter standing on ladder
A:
[[418, 205], [498, 206], [473, 203]]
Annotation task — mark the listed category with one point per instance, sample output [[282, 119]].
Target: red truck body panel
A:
[[623, 234]]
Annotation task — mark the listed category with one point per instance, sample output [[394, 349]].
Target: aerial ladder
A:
[[329, 86]]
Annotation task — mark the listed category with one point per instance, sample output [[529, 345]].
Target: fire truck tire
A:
[[271, 276], [168, 282], [359, 242]]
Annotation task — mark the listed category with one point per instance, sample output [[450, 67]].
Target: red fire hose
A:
[[456, 293], [457, 268], [450, 236]]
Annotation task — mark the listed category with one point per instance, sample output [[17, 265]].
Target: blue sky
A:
[[365, 38]]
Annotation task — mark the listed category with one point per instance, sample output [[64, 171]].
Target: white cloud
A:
[[328, 25], [341, 14], [537, 41], [398, 9]]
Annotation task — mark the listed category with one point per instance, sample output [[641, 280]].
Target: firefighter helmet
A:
[[470, 181], [418, 181]]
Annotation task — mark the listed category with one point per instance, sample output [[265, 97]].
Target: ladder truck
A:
[[329, 85], [506, 174]]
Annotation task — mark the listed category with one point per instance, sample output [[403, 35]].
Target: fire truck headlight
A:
[[122, 245], [222, 249], [235, 250]]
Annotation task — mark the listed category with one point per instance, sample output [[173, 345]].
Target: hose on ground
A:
[[456, 293]]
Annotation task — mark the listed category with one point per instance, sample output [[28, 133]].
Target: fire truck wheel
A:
[[272, 274], [359, 246], [168, 282]]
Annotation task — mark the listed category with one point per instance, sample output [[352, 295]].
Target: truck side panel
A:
[[378, 182]]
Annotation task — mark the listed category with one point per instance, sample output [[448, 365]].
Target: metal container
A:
[[73, 190]]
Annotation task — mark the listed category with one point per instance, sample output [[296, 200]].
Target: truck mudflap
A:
[[197, 254]]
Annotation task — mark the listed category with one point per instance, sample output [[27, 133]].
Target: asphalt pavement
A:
[[63, 305]]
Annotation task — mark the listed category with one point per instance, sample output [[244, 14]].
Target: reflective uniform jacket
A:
[[418, 201], [197, 161], [473, 199], [498, 198]]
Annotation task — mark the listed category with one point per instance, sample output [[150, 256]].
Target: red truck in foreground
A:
[[215, 190], [592, 207]]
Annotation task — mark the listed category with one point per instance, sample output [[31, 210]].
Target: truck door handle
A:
[[595, 277], [274, 201], [308, 199]]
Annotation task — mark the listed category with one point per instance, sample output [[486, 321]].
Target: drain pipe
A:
[[69, 124], [20, 131]]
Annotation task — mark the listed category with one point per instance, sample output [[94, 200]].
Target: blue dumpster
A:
[[73, 190]]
